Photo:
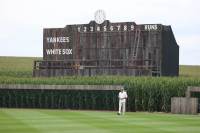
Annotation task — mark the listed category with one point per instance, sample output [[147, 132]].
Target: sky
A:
[[22, 21]]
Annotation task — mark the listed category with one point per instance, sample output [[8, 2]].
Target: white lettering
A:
[[57, 39], [53, 51], [104, 28], [48, 51], [111, 28], [132, 27], [85, 29], [125, 27], [151, 27], [67, 51], [53, 39], [67, 39], [98, 28], [58, 51], [118, 27], [91, 29], [48, 39], [79, 29]]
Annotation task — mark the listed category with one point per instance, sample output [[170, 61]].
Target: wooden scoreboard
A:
[[106, 48]]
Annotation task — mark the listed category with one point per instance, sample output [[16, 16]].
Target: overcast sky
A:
[[22, 21]]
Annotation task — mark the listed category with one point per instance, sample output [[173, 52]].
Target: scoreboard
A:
[[102, 47]]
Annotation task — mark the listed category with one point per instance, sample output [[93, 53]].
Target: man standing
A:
[[122, 101]]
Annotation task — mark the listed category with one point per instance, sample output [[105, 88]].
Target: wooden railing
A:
[[82, 64]]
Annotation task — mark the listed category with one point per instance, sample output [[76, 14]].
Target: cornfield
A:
[[145, 93]]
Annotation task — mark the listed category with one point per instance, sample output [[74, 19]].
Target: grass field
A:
[[19, 70], [17, 66], [189, 70], [66, 121]]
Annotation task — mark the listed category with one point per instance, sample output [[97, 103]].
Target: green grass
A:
[[66, 121], [17, 66], [188, 71], [15, 70]]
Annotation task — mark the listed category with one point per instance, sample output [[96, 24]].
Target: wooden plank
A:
[[184, 105], [61, 87], [175, 105], [193, 106]]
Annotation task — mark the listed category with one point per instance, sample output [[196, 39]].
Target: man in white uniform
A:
[[122, 101]]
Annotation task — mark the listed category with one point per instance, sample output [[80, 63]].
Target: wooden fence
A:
[[59, 87], [186, 105]]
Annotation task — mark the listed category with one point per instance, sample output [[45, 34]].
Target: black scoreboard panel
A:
[[55, 41], [109, 48]]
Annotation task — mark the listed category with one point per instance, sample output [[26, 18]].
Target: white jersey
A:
[[122, 96]]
